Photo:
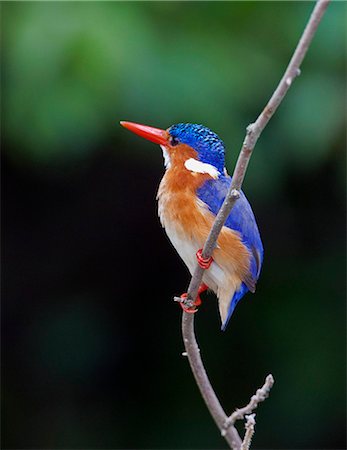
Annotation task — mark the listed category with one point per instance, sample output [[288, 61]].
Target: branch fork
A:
[[261, 395]]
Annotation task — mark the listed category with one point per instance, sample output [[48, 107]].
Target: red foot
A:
[[202, 288], [193, 309], [190, 309], [204, 263]]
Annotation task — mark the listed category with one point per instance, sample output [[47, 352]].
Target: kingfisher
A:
[[190, 195]]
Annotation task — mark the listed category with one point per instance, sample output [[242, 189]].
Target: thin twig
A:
[[253, 132], [250, 429], [261, 394]]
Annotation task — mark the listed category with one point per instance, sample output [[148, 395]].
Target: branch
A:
[[253, 133], [231, 435], [261, 395], [250, 430], [254, 130]]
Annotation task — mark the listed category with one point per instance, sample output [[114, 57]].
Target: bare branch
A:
[[253, 132], [192, 350]]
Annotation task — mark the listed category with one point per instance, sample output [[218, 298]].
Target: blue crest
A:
[[206, 143]]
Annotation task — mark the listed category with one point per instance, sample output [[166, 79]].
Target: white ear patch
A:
[[167, 161], [199, 167]]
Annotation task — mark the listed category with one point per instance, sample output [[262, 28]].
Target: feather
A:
[[242, 220]]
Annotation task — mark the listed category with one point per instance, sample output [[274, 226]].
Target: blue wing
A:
[[240, 219]]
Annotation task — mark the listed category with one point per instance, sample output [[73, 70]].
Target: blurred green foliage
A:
[[83, 369], [72, 71]]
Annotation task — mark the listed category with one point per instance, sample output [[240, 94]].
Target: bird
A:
[[190, 195]]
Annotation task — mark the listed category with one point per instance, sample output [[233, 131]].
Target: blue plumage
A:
[[208, 145], [241, 219]]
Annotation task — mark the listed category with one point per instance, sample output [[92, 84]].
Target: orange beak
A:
[[151, 134]]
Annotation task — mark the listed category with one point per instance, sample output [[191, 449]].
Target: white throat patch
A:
[[199, 167], [167, 161]]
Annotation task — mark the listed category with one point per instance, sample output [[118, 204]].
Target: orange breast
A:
[[179, 207]]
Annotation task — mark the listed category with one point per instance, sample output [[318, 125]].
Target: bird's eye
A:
[[173, 141]]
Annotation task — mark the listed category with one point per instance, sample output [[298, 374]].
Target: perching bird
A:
[[189, 197]]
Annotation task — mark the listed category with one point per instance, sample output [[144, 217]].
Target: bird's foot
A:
[[204, 263], [190, 306]]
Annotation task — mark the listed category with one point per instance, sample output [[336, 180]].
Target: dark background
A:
[[91, 345]]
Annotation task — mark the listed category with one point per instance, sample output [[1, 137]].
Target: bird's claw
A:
[[204, 263], [192, 308]]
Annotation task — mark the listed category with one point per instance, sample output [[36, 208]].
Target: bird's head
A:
[[196, 146]]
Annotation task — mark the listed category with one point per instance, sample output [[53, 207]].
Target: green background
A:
[[91, 344]]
